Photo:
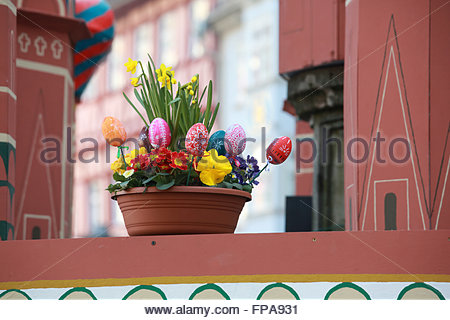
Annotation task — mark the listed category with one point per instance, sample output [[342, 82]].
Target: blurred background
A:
[[233, 43]]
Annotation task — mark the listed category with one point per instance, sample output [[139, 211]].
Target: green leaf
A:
[[211, 123], [227, 185], [208, 105], [247, 187], [237, 186], [175, 100], [124, 185], [135, 109], [164, 186], [118, 177]]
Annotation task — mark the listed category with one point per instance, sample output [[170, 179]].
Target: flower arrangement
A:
[[175, 148]]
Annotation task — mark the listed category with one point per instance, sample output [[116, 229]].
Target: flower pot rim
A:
[[184, 189]]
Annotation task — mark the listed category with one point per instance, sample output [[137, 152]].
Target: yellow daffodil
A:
[[213, 168], [191, 92], [194, 101], [128, 173], [131, 65], [134, 81], [166, 76], [194, 78]]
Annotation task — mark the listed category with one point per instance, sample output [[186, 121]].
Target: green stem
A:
[[189, 172], [253, 179]]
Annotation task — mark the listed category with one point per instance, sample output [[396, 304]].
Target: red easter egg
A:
[[159, 133], [279, 150], [197, 139], [235, 140], [113, 131]]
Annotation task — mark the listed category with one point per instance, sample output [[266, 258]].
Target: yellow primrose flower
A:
[[131, 65], [128, 173], [134, 153], [213, 168], [134, 81], [117, 166]]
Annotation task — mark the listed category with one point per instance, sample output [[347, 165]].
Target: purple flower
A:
[[237, 176]]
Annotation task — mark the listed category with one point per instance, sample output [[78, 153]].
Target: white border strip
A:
[[442, 195], [8, 91], [43, 67], [4, 137], [36, 216], [10, 5]]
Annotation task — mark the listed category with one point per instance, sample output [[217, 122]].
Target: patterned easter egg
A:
[[113, 131], [216, 141], [279, 150], [143, 139], [159, 133], [197, 139], [235, 140]]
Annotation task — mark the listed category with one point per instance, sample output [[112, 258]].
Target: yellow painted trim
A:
[[261, 278]]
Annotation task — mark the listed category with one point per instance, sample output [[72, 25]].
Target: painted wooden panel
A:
[[311, 33]]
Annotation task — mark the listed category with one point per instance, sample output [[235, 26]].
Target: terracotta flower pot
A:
[[181, 210]]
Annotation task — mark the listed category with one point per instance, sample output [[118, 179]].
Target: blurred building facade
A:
[[173, 33], [251, 93]]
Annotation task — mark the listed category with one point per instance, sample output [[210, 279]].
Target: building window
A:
[[116, 74], [144, 42], [169, 38], [199, 11], [36, 233], [390, 212]]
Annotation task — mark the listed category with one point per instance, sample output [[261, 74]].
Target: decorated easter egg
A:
[[113, 131], [279, 150], [235, 140], [143, 140], [197, 139], [159, 133], [216, 141]]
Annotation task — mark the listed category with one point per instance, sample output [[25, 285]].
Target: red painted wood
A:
[[311, 33], [395, 77], [8, 34], [203, 255], [304, 176], [439, 111]]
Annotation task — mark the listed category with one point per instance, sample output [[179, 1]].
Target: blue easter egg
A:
[[216, 141]]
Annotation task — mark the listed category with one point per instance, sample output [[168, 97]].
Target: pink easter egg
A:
[[235, 140], [279, 150], [197, 139], [159, 133]]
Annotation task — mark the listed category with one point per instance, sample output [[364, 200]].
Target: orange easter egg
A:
[[113, 131]]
